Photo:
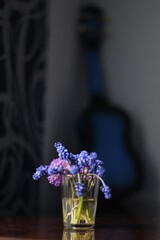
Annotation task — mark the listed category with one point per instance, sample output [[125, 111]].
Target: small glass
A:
[[79, 212]]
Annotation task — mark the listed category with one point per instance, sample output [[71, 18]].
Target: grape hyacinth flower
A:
[[62, 151], [58, 166], [106, 190], [82, 166], [99, 162], [73, 158], [80, 189], [100, 171], [92, 168], [41, 171], [83, 160], [79, 175], [74, 169], [93, 157], [92, 162]]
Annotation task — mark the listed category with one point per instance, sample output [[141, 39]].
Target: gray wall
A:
[[64, 85], [131, 59], [131, 64]]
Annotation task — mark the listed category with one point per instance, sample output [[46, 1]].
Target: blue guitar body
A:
[[105, 128]]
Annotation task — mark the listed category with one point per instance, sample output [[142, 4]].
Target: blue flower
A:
[[83, 154], [58, 166], [106, 190], [100, 171], [92, 168], [93, 156], [73, 158], [99, 162], [41, 171], [54, 170], [62, 151], [74, 169], [84, 164], [80, 189], [83, 159]]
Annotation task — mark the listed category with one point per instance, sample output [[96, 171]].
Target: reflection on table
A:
[[78, 235], [110, 226]]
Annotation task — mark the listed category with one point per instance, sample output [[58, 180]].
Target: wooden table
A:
[[111, 227]]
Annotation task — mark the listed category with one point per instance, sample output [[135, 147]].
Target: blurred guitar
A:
[[102, 127]]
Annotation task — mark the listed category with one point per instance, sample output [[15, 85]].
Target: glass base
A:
[[79, 213], [79, 226]]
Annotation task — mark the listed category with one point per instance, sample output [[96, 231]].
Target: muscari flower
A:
[[83, 159], [106, 190], [41, 171], [62, 151], [58, 166], [93, 156], [95, 165], [92, 168], [73, 163], [92, 162], [74, 169], [73, 158], [99, 162], [80, 189], [100, 171]]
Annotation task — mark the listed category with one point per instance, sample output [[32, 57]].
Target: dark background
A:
[[43, 90]]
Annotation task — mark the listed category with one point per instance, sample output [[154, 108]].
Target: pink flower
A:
[[55, 180], [56, 168]]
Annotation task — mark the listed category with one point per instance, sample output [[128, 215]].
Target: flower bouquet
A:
[[79, 176]]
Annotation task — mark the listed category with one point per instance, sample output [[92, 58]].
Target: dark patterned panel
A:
[[22, 52]]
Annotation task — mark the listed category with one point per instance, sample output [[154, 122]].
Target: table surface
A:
[[111, 227]]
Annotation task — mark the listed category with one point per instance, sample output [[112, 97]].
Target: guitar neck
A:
[[95, 78]]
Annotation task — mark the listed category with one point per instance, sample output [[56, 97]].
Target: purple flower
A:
[[83, 159], [92, 168], [94, 163], [80, 189], [100, 171], [73, 158], [88, 166], [62, 151], [41, 171], [106, 190], [99, 162], [74, 169], [55, 169], [93, 156], [55, 180], [58, 166]]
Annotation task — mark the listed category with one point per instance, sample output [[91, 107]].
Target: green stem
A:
[[89, 211], [80, 208], [92, 174]]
